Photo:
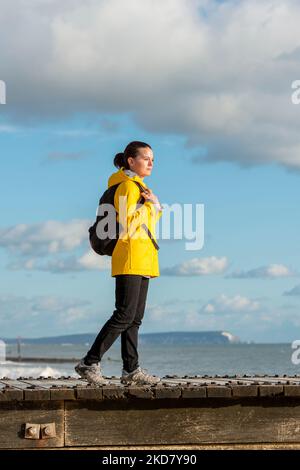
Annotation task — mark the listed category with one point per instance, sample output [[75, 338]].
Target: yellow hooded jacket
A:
[[134, 252]]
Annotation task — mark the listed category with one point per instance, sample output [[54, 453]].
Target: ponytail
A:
[[132, 149], [119, 160]]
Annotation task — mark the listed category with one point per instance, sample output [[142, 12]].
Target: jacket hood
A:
[[119, 176]]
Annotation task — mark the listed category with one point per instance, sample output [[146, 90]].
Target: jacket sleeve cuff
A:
[[158, 207]]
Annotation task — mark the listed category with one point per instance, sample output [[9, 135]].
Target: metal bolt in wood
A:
[[32, 431]]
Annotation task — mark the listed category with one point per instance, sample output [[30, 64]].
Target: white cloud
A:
[[218, 73], [273, 271], [198, 267], [237, 303], [241, 316], [237, 315], [44, 238], [27, 316], [42, 247], [88, 261], [91, 260], [50, 315]]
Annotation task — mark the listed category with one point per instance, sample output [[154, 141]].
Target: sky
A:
[[208, 85]]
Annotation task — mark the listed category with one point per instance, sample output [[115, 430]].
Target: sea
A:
[[161, 360]]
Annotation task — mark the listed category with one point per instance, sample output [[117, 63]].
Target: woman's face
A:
[[142, 164]]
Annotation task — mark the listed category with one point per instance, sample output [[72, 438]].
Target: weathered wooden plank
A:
[[56, 389], [89, 393], [176, 387], [270, 390], [218, 391], [150, 422], [62, 394], [291, 390], [140, 392], [48, 383], [9, 394], [244, 390], [36, 394], [113, 392], [17, 384], [161, 391], [271, 380], [14, 415], [30, 392], [283, 378], [193, 392], [196, 381], [68, 382]]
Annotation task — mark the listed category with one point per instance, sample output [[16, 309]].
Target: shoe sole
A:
[[104, 382], [130, 382]]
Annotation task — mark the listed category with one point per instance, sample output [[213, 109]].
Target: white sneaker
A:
[[90, 373], [139, 377]]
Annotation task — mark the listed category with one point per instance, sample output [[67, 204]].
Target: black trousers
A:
[[131, 293]]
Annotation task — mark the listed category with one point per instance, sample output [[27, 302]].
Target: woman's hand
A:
[[149, 196]]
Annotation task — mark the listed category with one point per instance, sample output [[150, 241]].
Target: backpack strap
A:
[[144, 225], [141, 188], [141, 201]]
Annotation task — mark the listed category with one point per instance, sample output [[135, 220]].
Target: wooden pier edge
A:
[[205, 447], [179, 413]]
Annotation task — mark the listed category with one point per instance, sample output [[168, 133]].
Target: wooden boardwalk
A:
[[171, 386], [188, 411]]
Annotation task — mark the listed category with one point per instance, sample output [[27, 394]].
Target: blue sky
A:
[[224, 133]]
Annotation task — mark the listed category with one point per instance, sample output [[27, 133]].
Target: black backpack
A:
[[105, 246]]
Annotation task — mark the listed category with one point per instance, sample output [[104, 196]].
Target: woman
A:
[[134, 262]]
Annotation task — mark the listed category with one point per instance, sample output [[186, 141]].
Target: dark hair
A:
[[121, 159]]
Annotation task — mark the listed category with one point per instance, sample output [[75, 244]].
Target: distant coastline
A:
[[172, 337]]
